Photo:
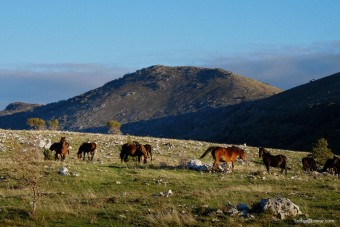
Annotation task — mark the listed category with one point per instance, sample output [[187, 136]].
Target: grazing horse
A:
[[60, 148], [133, 149], [225, 154], [273, 160], [332, 164], [87, 148], [309, 164], [148, 149]]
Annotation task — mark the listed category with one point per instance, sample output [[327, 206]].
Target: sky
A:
[[54, 50]]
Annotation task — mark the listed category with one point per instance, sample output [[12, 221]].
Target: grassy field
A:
[[106, 192]]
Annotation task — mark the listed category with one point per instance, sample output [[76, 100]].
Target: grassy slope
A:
[[109, 193]]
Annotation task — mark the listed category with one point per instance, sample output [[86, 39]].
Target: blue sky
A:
[[54, 50]]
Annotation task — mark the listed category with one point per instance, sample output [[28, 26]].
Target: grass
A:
[[106, 192]]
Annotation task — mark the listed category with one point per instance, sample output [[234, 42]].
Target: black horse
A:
[[332, 164], [309, 164], [273, 160], [60, 148]]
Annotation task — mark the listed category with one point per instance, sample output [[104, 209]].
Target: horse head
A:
[[242, 155]]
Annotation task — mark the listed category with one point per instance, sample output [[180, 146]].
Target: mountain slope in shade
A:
[[293, 119]]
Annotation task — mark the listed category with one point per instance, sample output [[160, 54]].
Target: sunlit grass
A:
[[106, 192]]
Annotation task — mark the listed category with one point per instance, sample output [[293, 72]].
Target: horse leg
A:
[[232, 167], [215, 165], [267, 167]]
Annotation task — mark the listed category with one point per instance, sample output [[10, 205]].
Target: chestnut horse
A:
[[87, 148], [309, 164], [225, 154], [60, 148], [133, 149], [273, 160]]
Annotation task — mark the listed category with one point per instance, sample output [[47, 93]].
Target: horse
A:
[[332, 164], [148, 149], [87, 148], [273, 160], [309, 164], [225, 154], [60, 148], [133, 149]]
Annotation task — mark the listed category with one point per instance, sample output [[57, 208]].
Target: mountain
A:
[[293, 119], [202, 104], [148, 94]]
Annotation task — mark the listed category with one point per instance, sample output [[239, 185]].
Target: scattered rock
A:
[[64, 171], [196, 164]]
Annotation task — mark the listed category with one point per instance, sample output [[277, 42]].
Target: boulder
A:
[[64, 171], [280, 207]]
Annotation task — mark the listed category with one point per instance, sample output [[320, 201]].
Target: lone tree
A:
[[53, 124], [114, 127], [321, 152], [36, 123]]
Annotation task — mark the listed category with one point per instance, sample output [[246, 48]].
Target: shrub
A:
[[53, 124], [36, 123], [48, 154], [321, 152], [114, 127]]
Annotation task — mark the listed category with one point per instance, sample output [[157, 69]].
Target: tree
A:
[[114, 127], [36, 123], [53, 124], [321, 152]]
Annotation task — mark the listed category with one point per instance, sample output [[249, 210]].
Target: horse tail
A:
[[210, 149]]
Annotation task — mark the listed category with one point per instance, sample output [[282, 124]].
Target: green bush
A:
[[36, 123], [114, 126], [321, 152], [48, 154]]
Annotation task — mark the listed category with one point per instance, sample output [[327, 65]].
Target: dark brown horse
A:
[[133, 149], [273, 160], [332, 164], [87, 148], [225, 154], [309, 164], [60, 148], [148, 148]]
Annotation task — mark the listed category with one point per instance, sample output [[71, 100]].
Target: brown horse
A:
[[148, 148], [273, 160], [133, 149], [87, 148], [60, 148], [225, 154], [309, 164]]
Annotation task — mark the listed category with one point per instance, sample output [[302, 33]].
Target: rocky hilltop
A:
[[151, 93]]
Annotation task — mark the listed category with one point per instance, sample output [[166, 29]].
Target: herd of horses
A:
[[219, 154]]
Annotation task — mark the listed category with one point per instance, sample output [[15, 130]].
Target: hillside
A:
[[151, 93], [106, 192], [202, 104], [293, 119]]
